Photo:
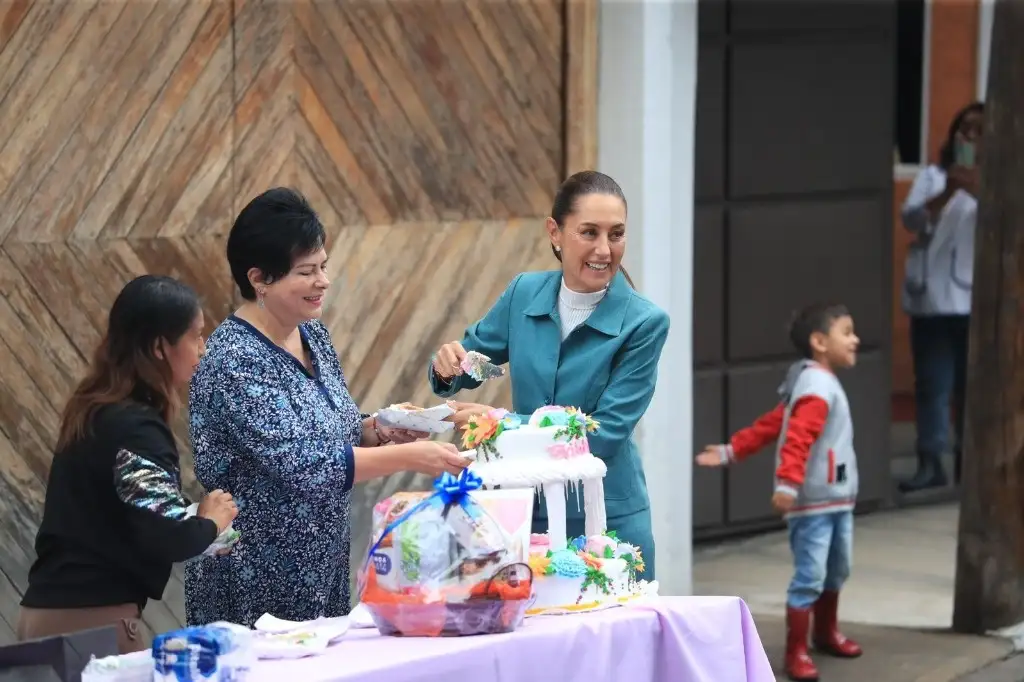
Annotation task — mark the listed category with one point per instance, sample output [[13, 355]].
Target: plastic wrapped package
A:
[[440, 565], [225, 541], [133, 667], [220, 651]]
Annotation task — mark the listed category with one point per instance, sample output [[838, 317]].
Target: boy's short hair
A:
[[817, 317]]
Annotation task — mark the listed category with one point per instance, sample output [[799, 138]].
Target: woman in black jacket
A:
[[115, 519]]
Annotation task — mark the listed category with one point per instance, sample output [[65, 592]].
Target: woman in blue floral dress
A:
[[273, 423]]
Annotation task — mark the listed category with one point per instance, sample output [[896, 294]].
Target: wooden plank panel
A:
[[96, 145], [176, 68], [581, 85], [428, 135], [56, 110], [10, 600], [118, 122]]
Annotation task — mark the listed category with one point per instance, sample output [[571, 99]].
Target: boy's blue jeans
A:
[[822, 547]]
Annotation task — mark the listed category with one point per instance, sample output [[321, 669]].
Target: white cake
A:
[[551, 454]]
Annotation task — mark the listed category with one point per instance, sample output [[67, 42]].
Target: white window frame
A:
[[904, 171], [986, 14]]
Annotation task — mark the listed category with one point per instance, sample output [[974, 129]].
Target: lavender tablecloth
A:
[[691, 639]]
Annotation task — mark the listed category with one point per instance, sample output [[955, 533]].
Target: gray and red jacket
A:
[[815, 460]]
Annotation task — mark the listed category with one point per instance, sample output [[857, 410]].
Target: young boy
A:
[[815, 479]]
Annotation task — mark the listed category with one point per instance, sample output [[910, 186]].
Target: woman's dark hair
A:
[[272, 231], [148, 309], [579, 185], [947, 154]]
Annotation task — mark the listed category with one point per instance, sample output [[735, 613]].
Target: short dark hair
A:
[[817, 317], [272, 231], [579, 185]]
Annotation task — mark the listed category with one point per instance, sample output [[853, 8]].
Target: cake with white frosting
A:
[[550, 453]]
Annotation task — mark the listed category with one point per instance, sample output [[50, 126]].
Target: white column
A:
[[986, 12], [554, 501], [646, 113]]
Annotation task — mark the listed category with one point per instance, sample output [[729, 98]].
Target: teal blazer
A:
[[607, 367]]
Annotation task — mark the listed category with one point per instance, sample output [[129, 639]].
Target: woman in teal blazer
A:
[[580, 336]]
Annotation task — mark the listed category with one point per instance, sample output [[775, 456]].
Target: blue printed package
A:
[[219, 652]]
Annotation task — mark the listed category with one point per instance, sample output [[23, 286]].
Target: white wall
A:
[[647, 96]]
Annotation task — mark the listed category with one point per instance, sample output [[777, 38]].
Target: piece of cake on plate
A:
[[550, 453]]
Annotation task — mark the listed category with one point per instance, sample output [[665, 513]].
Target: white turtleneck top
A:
[[574, 308]]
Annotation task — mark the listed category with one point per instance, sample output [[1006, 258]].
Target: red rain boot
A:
[[827, 638], [799, 665]]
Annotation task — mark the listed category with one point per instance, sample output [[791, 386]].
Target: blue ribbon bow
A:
[[448, 490], [453, 490]]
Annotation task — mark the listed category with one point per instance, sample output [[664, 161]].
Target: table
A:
[[670, 639]]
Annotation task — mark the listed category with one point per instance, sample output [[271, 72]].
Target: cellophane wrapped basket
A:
[[439, 565]]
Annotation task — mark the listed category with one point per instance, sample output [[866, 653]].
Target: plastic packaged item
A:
[[427, 420], [133, 667], [219, 652], [479, 367], [440, 565], [226, 540]]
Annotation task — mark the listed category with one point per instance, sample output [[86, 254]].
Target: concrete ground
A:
[[898, 603]]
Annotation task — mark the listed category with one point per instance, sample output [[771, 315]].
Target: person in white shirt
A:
[[941, 211]]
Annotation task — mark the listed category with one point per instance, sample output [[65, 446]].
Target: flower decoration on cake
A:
[[597, 578], [568, 563], [541, 565], [482, 430], [632, 556], [601, 546], [572, 422], [590, 560]]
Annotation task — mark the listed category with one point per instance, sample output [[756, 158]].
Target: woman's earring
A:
[[558, 249], [259, 298]]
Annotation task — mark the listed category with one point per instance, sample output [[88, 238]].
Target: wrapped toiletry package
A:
[[440, 565], [219, 652]]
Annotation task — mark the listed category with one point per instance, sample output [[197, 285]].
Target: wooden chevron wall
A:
[[429, 134]]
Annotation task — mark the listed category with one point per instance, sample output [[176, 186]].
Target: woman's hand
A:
[[375, 433], [433, 458], [220, 508], [965, 178], [448, 360], [401, 436], [463, 412]]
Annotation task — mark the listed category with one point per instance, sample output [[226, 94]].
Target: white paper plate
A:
[[278, 639], [359, 617], [428, 420]]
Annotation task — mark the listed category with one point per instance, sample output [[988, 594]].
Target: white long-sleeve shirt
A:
[[939, 270]]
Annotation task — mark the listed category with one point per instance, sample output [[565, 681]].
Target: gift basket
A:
[[439, 565]]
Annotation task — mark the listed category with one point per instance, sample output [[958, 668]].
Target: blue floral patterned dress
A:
[[280, 440]]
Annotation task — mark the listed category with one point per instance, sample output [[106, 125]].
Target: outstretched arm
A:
[[755, 437]]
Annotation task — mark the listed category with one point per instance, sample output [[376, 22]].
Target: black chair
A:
[[56, 659]]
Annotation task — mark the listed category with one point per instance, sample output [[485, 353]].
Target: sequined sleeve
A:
[[148, 482]]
